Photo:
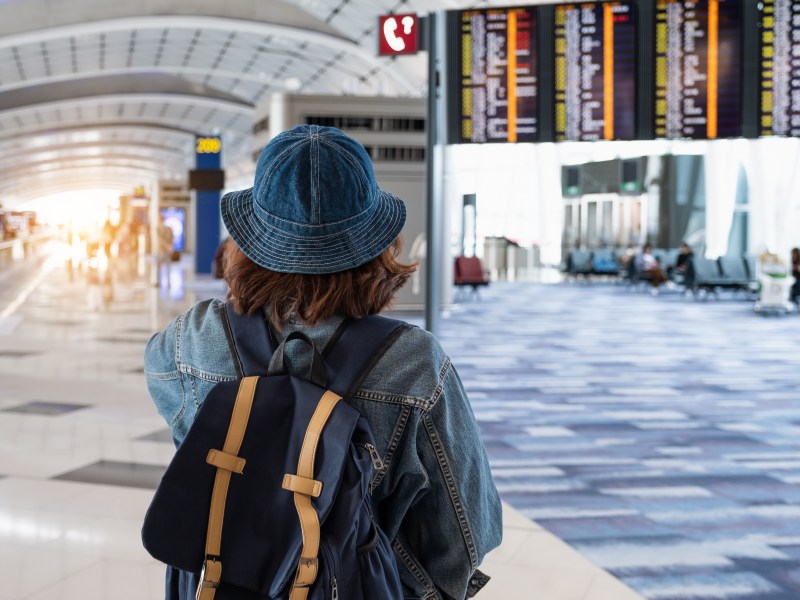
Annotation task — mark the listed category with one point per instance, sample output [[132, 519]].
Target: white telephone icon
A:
[[390, 26]]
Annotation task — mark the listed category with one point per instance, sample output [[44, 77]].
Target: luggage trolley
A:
[[775, 283]]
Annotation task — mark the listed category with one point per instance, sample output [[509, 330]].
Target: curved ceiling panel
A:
[[34, 15], [76, 133], [123, 178], [134, 174], [88, 84], [247, 59], [126, 82], [157, 157], [87, 162], [187, 113]]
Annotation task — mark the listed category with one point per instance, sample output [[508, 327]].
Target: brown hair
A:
[[354, 293]]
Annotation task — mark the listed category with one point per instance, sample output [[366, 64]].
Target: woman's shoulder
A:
[[204, 318], [202, 339], [412, 367], [421, 345]]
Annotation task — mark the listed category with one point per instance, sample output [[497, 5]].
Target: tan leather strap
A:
[[223, 460], [295, 483], [309, 520], [227, 462]]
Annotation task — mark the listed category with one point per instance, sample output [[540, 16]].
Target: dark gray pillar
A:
[[434, 41]]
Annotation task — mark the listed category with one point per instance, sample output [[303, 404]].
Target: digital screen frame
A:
[[595, 71], [698, 69], [498, 75], [670, 87], [175, 218], [779, 68]]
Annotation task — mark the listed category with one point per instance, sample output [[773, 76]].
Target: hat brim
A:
[[312, 250]]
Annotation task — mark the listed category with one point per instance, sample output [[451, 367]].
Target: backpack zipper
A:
[[334, 589], [377, 462], [331, 563]]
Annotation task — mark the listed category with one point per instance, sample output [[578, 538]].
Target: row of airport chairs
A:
[[608, 261], [595, 262], [703, 276], [727, 272]]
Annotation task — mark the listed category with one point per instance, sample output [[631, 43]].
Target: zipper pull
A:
[[334, 589], [376, 458]]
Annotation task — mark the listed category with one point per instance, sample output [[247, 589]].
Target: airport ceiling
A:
[[104, 94]]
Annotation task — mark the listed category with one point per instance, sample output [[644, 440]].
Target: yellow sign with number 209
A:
[[208, 145]]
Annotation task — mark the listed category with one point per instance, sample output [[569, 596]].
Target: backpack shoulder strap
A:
[[357, 351], [252, 343]]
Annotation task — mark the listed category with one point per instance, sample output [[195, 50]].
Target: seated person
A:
[[679, 271], [649, 268]]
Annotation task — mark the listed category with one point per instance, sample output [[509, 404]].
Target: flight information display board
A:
[[780, 68], [595, 71], [499, 73], [698, 78]]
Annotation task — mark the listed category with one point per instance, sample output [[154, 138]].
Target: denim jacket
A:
[[434, 497]]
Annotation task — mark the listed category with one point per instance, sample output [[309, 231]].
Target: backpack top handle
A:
[[317, 371]]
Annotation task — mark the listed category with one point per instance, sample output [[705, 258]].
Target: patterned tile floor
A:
[[657, 435], [82, 448]]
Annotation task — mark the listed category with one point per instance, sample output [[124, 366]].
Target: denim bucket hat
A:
[[314, 207]]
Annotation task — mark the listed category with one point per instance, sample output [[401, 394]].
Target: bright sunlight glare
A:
[[82, 209]]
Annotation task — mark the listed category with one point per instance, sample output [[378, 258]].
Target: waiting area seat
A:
[[604, 262], [698, 276], [469, 272], [736, 273], [597, 262], [727, 272], [578, 262]]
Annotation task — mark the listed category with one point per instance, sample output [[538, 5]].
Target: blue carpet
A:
[[658, 436]]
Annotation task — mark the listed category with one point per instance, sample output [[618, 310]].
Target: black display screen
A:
[[206, 179], [499, 75], [780, 68], [697, 68], [623, 70], [595, 71]]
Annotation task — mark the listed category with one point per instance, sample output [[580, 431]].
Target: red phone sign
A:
[[397, 34]]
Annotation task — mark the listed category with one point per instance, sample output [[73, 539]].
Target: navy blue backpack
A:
[[269, 496]]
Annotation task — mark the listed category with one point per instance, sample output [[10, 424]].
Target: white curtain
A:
[[551, 208], [774, 191], [722, 165], [788, 234]]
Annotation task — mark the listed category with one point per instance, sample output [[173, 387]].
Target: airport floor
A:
[[658, 436], [638, 441]]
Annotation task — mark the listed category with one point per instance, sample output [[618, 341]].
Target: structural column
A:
[[207, 180]]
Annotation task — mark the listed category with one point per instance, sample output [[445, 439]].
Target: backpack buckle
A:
[[210, 575], [306, 572]]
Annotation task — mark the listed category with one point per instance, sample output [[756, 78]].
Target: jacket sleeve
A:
[[163, 377], [185, 360], [457, 517]]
